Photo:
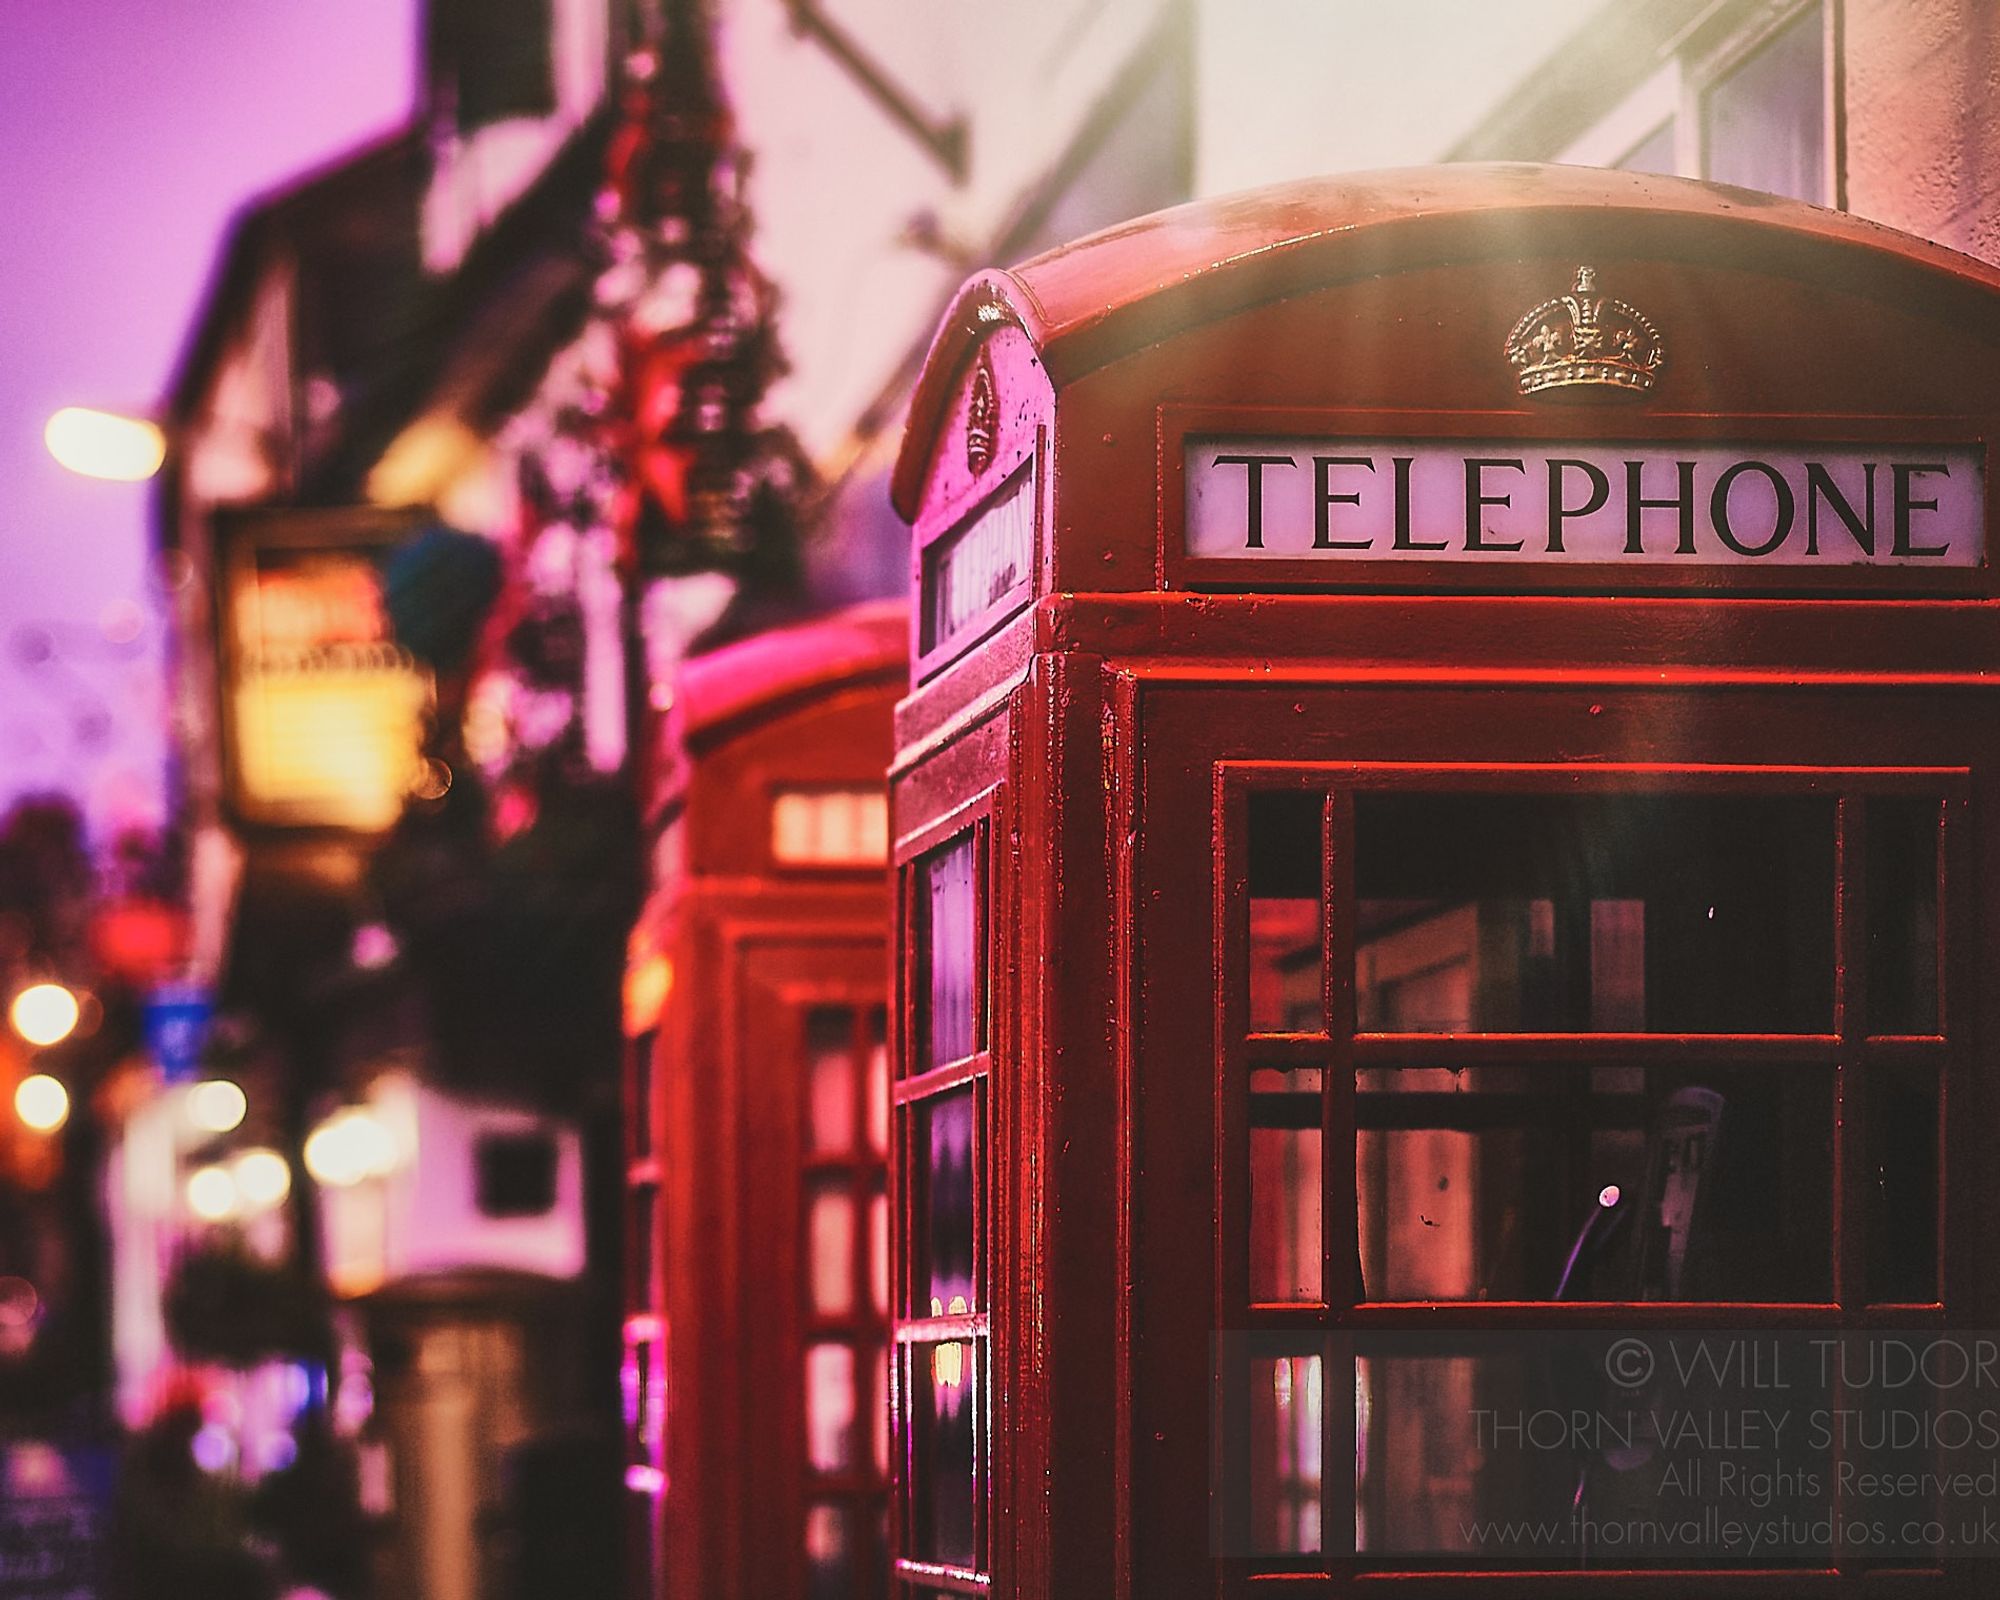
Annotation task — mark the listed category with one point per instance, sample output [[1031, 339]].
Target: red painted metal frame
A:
[[751, 946], [1121, 716]]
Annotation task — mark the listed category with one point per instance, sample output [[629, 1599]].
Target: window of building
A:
[[1749, 106], [1763, 116]]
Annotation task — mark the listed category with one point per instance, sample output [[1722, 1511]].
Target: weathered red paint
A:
[[1106, 733]]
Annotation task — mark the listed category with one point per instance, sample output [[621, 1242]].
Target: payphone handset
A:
[[1686, 1139]]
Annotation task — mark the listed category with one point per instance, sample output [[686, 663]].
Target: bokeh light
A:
[[349, 1146], [41, 1103], [102, 444], [262, 1178], [211, 1194], [216, 1105], [44, 1013]]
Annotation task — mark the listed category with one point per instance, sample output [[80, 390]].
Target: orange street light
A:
[[104, 444]]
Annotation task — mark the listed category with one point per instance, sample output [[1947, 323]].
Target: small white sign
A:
[[1654, 504], [981, 562]]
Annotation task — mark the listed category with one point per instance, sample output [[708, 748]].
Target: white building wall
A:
[[866, 234], [863, 230]]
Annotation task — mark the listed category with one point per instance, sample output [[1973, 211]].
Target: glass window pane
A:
[[879, 1410], [829, 1552], [1654, 153], [1903, 914], [878, 1253], [947, 1197], [1285, 1198], [832, 1442], [944, 1380], [830, 1087], [1505, 913], [877, 1069], [645, 1243], [1511, 1448], [1764, 123], [1286, 875], [1902, 1141], [1506, 1183], [643, 1390], [830, 1247], [642, 1094], [1287, 1433], [950, 899]]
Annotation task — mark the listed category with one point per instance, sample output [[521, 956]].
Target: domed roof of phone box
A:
[[1086, 304]]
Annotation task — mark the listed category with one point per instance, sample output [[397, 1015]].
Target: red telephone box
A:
[[1439, 826], [757, 1120]]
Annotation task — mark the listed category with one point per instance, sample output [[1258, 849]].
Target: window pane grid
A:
[[844, 1319], [1880, 1082], [941, 1340]]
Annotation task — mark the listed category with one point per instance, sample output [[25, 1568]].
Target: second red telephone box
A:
[[757, 1118]]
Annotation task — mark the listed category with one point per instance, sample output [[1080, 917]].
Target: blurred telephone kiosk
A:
[[757, 1123]]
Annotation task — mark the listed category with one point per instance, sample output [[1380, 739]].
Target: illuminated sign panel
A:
[[985, 562], [830, 828], [325, 709], [1653, 504]]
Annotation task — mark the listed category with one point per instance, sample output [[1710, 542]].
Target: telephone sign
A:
[[1520, 501]]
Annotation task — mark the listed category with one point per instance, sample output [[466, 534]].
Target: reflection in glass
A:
[[880, 1410], [830, 1245], [645, 1237], [1455, 1439], [831, 1100], [642, 1094], [953, 947], [1576, 913], [1902, 914], [1416, 1433], [1286, 893], [878, 1253], [1595, 1183], [828, 1558], [878, 1090], [1285, 1210], [948, 1203], [831, 1445], [945, 1380], [1902, 1142], [1287, 1418], [1653, 153]]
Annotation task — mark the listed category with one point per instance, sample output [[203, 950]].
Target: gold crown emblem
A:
[[982, 418], [1583, 341]]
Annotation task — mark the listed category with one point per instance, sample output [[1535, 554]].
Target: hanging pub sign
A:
[[322, 708], [1515, 500]]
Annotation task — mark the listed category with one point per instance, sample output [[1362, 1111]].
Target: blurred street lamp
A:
[[41, 1102], [216, 1105], [44, 1013], [211, 1194], [262, 1178], [349, 1146], [103, 444]]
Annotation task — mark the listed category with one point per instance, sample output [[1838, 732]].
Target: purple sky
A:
[[130, 130]]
